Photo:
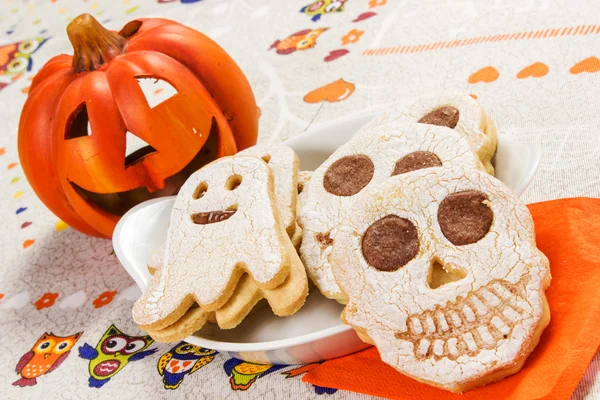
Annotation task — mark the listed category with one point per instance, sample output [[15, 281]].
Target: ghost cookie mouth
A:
[[212, 217], [479, 321]]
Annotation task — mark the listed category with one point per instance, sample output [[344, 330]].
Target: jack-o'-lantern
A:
[[91, 143]]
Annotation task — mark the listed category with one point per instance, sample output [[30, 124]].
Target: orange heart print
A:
[[536, 70], [333, 92], [591, 65], [487, 74]]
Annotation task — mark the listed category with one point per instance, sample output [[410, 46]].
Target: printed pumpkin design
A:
[[93, 145]]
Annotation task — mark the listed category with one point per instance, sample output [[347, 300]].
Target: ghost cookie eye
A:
[[415, 161], [465, 217], [390, 243], [348, 175], [442, 116], [200, 190], [233, 182]]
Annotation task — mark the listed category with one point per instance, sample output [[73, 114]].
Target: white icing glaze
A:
[[200, 259], [284, 164], [473, 123], [157, 257], [494, 310], [384, 140], [303, 179]]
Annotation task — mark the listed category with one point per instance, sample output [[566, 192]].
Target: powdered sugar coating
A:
[[284, 164], [473, 122], [463, 330], [200, 259], [156, 258], [303, 179], [384, 140]]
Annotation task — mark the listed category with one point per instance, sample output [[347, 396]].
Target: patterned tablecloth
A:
[[533, 64]]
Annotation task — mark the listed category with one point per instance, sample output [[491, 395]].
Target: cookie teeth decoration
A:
[[385, 147], [226, 249], [462, 113], [443, 276]]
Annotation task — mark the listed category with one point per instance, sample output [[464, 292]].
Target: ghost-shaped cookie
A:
[[443, 275], [283, 162], [303, 179], [225, 235], [284, 165], [387, 146], [461, 112]]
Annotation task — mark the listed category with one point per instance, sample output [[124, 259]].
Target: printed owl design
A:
[[15, 59], [183, 359], [320, 7], [243, 374], [303, 40], [47, 354], [112, 353]]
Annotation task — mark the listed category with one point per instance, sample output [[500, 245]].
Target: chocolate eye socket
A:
[[465, 217], [348, 175], [200, 190], [415, 161], [442, 116], [390, 243]]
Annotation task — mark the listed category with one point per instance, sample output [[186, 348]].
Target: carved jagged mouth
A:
[[119, 203], [211, 217], [468, 326]]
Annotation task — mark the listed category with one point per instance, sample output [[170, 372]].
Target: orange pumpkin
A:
[[73, 128]]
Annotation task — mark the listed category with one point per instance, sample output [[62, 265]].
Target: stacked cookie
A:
[[434, 258], [230, 244]]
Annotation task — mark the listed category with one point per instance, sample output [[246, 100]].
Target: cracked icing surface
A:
[[284, 164], [205, 261], [472, 122], [462, 330], [303, 179], [385, 140], [155, 259]]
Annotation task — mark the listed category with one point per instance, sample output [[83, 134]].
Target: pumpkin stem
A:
[[93, 44]]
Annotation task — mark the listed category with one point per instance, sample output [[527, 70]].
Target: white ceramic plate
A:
[[315, 332]]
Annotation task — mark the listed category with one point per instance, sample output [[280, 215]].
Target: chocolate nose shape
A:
[[441, 274]]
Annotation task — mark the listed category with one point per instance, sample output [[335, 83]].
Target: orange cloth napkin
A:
[[568, 232]]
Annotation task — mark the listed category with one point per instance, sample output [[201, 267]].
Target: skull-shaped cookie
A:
[[462, 113], [284, 164], [224, 224], [387, 146], [443, 275]]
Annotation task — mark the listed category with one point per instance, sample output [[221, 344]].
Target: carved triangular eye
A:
[[78, 124], [155, 90], [135, 149]]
